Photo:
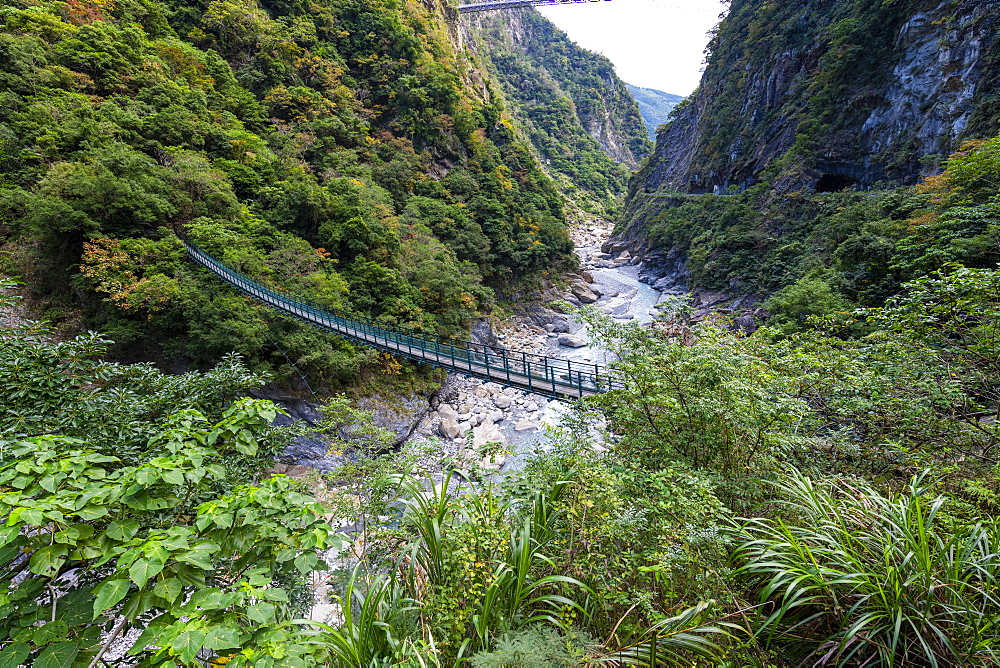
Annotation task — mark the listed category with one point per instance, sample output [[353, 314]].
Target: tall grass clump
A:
[[377, 618], [677, 640], [855, 577], [512, 584]]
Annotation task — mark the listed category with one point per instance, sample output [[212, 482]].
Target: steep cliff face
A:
[[830, 94], [577, 113], [814, 119]]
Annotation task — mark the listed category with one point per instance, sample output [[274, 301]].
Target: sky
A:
[[653, 43]]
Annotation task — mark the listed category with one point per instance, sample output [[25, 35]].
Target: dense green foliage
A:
[[918, 594], [821, 492], [654, 105], [129, 495], [741, 500], [334, 151], [570, 103], [756, 500], [842, 248]]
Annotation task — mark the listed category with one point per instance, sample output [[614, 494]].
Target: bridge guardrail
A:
[[511, 4], [536, 373]]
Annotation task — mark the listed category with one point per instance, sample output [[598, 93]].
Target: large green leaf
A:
[[92, 512], [210, 598], [305, 562], [221, 637], [59, 655], [262, 613], [275, 594], [173, 477], [169, 589], [122, 530], [109, 594], [8, 534], [46, 633], [200, 555], [13, 655], [143, 569], [187, 643], [47, 560], [32, 516]]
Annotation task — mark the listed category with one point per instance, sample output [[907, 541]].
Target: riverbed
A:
[[469, 411], [624, 298]]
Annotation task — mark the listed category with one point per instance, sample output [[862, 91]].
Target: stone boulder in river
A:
[[487, 433], [449, 428], [583, 292], [571, 341]]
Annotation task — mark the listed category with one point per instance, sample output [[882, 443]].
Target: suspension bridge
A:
[[549, 376], [509, 4]]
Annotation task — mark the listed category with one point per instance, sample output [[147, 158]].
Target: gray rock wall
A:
[[915, 103]]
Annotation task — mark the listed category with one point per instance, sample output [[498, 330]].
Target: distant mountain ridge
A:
[[654, 105], [578, 115]]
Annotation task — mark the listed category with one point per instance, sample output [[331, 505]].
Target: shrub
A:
[[855, 577], [795, 305]]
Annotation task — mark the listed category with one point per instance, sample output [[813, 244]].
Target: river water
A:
[[624, 298], [524, 421]]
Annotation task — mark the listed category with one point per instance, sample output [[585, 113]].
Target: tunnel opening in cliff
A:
[[834, 183]]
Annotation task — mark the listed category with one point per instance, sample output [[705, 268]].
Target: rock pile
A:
[[590, 232], [470, 412], [595, 251]]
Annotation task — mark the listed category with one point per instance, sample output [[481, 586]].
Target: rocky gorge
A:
[[774, 170], [469, 421], [927, 86]]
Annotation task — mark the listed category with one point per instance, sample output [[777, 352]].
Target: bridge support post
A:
[[527, 369]]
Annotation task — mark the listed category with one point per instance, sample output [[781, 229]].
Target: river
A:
[[489, 411], [624, 298]]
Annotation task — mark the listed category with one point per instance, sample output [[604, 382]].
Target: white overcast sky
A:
[[653, 43]]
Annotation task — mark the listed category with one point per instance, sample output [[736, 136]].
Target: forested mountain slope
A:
[[816, 117], [349, 151], [577, 113], [821, 491], [654, 105]]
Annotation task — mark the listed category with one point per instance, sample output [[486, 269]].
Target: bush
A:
[[858, 577], [539, 647], [795, 305]]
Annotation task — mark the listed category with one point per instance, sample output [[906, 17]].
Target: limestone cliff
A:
[[813, 118], [831, 94]]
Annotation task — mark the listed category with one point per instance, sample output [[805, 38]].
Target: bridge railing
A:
[[536, 373], [512, 4]]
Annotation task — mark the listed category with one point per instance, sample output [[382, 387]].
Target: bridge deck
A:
[[549, 376], [509, 4]]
